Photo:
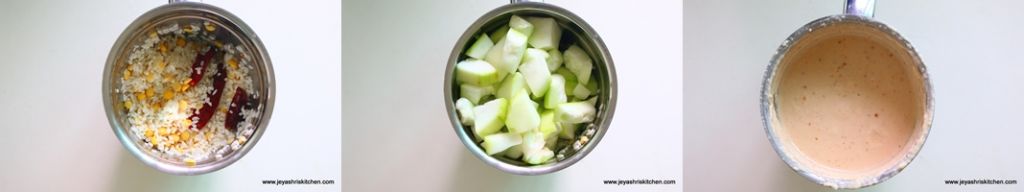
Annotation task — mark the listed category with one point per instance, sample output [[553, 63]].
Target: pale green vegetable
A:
[[592, 101], [514, 152], [577, 61], [592, 86], [580, 92], [556, 92], [496, 58], [519, 24], [475, 93], [534, 151], [511, 85], [551, 140], [575, 112], [465, 109], [546, 33], [554, 59], [570, 80], [535, 70], [522, 114], [479, 49], [538, 157], [499, 34], [496, 143], [533, 141], [568, 130], [547, 124], [489, 117], [475, 72], [513, 51]]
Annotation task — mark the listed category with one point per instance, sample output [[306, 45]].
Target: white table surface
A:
[[55, 135], [397, 136], [973, 54]]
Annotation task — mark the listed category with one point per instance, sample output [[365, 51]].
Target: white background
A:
[[397, 135], [973, 54], [54, 135]]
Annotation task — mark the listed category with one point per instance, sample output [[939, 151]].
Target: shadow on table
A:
[[472, 175], [132, 175]]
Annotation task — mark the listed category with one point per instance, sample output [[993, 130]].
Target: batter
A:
[[848, 100]]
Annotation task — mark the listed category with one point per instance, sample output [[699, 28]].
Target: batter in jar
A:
[[849, 101]]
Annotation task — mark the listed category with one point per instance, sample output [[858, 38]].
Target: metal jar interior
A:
[[771, 115], [231, 29], [585, 37]]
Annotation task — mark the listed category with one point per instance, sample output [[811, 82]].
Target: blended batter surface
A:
[[849, 100]]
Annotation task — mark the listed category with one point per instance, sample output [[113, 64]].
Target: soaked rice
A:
[[154, 91]]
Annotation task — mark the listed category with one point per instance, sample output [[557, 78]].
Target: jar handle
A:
[[860, 7]]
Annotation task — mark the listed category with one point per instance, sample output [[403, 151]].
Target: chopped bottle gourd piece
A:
[[479, 49], [489, 117], [522, 114], [496, 143], [475, 72], [535, 70], [465, 110]]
